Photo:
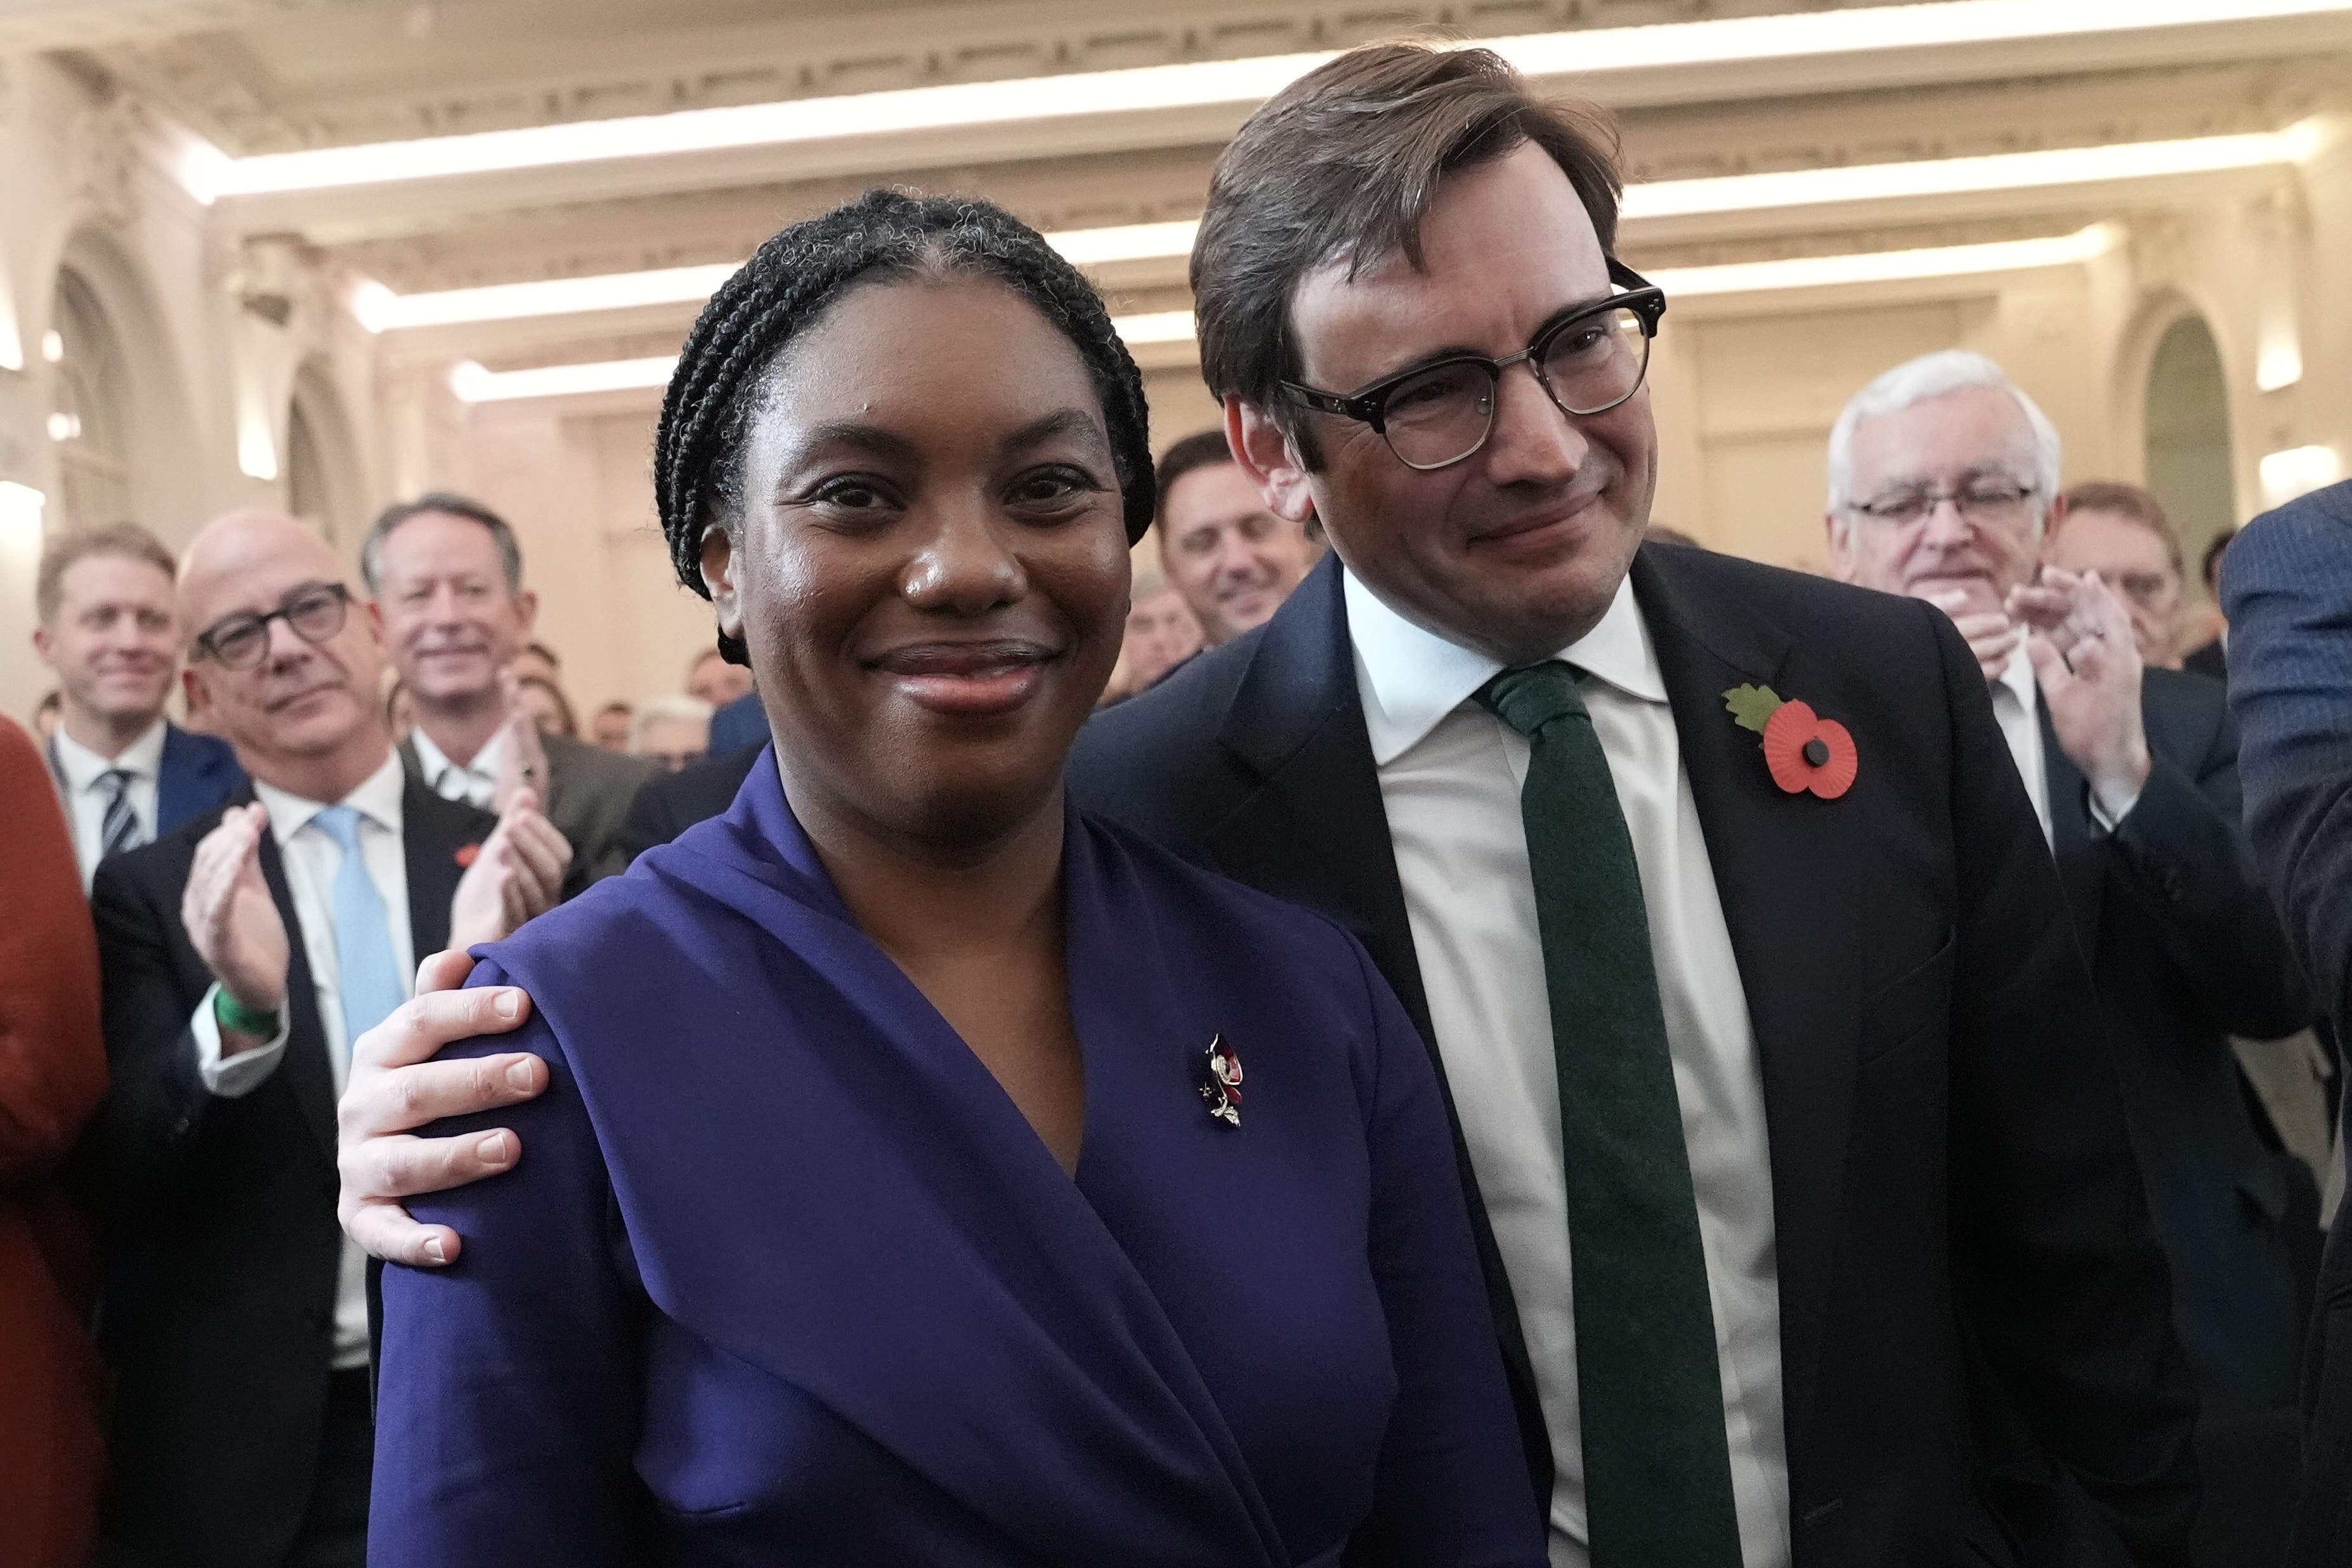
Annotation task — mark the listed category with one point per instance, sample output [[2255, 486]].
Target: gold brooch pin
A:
[[1221, 1082]]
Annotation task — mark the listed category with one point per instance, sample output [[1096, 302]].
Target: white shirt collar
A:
[[377, 798], [1411, 677], [434, 762], [143, 758], [2018, 676]]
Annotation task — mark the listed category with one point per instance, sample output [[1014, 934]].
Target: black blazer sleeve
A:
[[154, 1112], [2180, 855], [2058, 1275]]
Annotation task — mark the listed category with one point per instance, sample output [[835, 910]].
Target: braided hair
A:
[[716, 388]]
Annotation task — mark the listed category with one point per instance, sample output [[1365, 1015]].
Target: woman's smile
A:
[[968, 678]]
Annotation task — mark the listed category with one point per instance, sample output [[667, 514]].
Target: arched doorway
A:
[[322, 484], [90, 407], [2189, 458]]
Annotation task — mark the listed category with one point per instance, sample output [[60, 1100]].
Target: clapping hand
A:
[[231, 920], [517, 874], [2088, 666], [1991, 635]]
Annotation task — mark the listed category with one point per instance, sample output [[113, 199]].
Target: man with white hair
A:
[[1944, 485]]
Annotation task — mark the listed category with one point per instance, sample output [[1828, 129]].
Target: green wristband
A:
[[231, 1014]]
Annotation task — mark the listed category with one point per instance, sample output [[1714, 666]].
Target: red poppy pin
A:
[[467, 854], [1804, 751], [1221, 1082]]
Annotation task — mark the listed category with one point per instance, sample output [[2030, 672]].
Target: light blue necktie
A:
[[370, 976]]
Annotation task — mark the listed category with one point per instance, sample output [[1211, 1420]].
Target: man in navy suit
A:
[[111, 630], [1883, 1289], [2286, 585], [1944, 486]]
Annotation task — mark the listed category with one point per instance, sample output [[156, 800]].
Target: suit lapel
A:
[[1790, 872], [2070, 835], [305, 1069], [1314, 830]]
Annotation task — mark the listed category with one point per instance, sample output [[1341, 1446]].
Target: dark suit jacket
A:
[[52, 1076], [198, 774], [743, 722], [668, 803], [2209, 660], [2187, 949], [587, 798], [1956, 1209], [2287, 586], [223, 1247]]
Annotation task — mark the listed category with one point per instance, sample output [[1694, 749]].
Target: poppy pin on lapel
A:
[[1221, 1082], [1804, 751], [467, 854]]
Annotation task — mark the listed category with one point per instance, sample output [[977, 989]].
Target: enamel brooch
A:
[[1221, 1082]]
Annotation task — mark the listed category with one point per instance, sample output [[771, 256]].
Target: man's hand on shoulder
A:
[[396, 1087]]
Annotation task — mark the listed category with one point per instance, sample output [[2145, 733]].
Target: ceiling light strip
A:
[[1888, 266], [475, 383], [380, 310], [1957, 176], [1589, 55]]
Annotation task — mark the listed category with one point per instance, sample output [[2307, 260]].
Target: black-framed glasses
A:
[[1978, 503], [315, 610], [1587, 362]]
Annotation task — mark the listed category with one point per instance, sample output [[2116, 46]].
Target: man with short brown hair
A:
[[1232, 561], [108, 627], [2123, 534]]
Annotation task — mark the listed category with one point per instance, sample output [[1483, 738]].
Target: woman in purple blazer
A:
[[929, 1173]]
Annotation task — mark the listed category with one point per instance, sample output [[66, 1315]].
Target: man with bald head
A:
[[242, 953]]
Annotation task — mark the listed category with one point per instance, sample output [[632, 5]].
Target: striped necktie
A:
[[1658, 1465], [120, 829]]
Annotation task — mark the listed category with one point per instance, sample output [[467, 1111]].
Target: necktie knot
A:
[[1532, 696], [115, 780], [342, 824]]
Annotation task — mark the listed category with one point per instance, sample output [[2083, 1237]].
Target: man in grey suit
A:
[[447, 574]]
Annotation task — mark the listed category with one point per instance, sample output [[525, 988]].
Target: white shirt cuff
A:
[[2108, 815], [234, 1077]]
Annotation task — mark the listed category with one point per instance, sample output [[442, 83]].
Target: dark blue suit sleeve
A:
[[509, 1390], [2286, 585], [1452, 1488], [2187, 866]]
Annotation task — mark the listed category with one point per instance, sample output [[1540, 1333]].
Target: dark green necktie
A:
[[1657, 1469]]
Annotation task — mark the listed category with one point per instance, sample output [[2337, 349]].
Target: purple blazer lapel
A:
[[817, 1175]]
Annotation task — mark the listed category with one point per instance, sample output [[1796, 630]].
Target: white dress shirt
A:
[[474, 783], [86, 798], [1449, 776], [2017, 704], [311, 858]]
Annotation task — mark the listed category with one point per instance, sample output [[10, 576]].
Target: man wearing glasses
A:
[[1801, 1220], [241, 953], [1943, 481]]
